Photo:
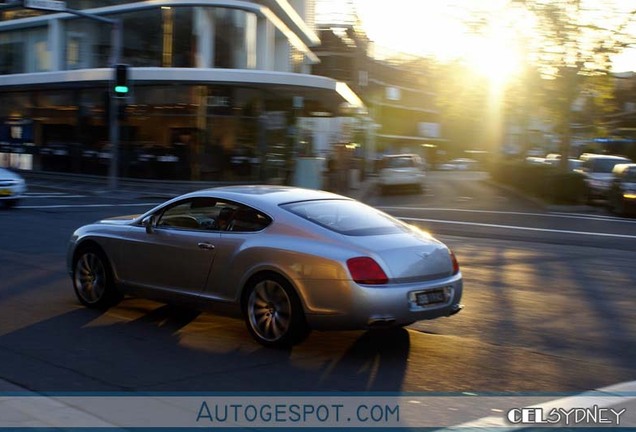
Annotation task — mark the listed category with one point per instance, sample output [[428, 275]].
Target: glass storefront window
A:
[[181, 132]]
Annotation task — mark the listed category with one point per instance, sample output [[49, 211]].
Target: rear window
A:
[[630, 175], [346, 217], [399, 162], [606, 165]]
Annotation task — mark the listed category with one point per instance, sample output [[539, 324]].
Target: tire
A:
[[273, 313], [10, 203], [93, 280], [619, 208]]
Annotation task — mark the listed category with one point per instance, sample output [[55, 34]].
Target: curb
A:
[[541, 203]]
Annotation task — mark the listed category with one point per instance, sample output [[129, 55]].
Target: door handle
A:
[[205, 245]]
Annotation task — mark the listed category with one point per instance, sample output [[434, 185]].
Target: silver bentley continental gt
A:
[[287, 259]]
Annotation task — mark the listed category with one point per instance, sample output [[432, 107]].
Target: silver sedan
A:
[[287, 259]]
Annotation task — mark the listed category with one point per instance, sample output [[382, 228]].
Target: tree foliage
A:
[[567, 48]]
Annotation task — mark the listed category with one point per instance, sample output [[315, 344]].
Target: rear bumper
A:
[[402, 179], [385, 306]]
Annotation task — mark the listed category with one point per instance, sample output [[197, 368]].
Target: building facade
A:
[[216, 87], [395, 88]]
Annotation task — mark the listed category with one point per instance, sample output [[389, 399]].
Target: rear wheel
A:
[[93, 279], [273, 313]]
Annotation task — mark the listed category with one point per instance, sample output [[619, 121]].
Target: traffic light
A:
[[121, 88]]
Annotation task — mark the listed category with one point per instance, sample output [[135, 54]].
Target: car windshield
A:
[[346, 217], [399, 162]]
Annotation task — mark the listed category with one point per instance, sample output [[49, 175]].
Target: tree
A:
[[573, 46]]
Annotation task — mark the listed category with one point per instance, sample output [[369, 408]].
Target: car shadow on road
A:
[[158, 348], [375, 361]]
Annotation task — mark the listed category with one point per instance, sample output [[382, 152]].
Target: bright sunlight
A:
[[493, 37], [450, 31]]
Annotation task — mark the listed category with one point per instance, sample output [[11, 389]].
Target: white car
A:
[[12, 186], [597, 172], [401, 170], [287, 260]]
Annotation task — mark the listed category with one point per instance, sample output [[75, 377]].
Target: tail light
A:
[[365, 270], [455, 262]]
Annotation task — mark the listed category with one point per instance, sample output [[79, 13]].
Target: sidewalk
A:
[[140, 188]]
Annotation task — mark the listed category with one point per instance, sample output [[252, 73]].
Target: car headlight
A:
[[629, 194]]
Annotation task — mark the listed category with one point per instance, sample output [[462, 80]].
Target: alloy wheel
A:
[[90, 278], [269, 310]]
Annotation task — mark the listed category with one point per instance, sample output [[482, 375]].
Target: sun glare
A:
[[439, 30], [494, 56]]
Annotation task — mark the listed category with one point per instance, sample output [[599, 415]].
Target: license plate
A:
[[5, 192], [430, 297]]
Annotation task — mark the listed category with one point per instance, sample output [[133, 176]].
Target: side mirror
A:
[[149, 223]]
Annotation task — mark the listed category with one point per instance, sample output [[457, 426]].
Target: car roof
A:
[[7, 173], [401, 155], [601, 156], [622, 168], [266, 195]]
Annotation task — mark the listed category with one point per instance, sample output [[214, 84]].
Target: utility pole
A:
[[115, 58]]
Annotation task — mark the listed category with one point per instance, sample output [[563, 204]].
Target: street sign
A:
[[49, 5]]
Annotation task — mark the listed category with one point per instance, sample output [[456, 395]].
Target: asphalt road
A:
[[548, 309]]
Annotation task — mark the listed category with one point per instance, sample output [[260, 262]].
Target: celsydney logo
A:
[[574, 416]]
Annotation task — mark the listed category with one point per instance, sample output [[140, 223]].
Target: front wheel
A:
[[273, 313], [93, 279], [10, 203]]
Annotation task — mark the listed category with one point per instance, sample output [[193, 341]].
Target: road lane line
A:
[[551, 214], [86, 205], [512, 227], [49, 196]]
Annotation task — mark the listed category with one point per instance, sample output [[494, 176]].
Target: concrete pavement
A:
[[139, 188]]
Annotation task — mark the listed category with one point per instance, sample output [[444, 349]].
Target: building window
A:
[[73, 49], [11, 57]]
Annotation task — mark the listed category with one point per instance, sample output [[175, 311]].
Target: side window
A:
[[212, 215], [191, 214], [247, 219]]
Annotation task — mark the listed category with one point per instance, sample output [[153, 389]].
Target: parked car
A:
[[401, 170], [12, 186], [622, 193], [289, 259], [597, 170], [461, 164], [573, 164]]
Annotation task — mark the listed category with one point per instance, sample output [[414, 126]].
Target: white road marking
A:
[[519, 228], [551, 214], [87, 205], [48, 195]]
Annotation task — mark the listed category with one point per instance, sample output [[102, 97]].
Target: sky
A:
[[436, 28]]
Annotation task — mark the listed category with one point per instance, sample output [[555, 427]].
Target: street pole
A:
[[113, 118], [113, 169]]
